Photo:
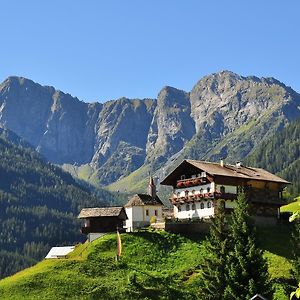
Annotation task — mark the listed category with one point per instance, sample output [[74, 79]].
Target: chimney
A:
[[222, 163], [238, 164], [152, 188]]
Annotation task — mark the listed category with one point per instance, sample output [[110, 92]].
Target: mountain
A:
[[38, 205], [119, 142], [232, 116], [281, 155]]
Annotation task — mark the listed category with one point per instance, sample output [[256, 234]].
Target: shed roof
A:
[[59, 252], [143, 199], [112, 211], [227, 170]]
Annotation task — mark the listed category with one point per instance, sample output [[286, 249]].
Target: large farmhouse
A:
[[199, 185]]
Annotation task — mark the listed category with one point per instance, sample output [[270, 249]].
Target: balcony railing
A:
[[198, 197], [190, 182]]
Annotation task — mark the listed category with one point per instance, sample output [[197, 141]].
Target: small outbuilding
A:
[[142, 207], [100, 220], [59, 252]]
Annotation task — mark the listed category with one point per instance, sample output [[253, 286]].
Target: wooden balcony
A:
[[198, 197], [191, 182]]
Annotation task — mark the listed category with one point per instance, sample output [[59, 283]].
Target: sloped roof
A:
[[215, 169], [58, 252], [113, 211], [143, 199]]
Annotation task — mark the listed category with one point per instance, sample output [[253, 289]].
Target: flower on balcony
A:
[[188, 183], [180, 184]]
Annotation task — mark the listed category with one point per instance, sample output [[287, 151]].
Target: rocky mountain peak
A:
[[117, 137]]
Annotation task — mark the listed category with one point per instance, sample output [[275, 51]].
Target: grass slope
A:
[[136, 182], [154, 265], [291, 207]]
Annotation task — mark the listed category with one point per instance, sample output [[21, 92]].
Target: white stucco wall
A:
[[128, 222], [138, 214], [194, 213], [230, 204], [197, 188]]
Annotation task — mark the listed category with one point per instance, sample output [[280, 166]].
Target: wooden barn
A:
[[99, 220]]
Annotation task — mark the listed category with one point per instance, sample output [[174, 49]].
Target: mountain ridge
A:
[[224, 115]]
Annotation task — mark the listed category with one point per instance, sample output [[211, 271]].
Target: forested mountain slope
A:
[[38, 205], [281, 155]]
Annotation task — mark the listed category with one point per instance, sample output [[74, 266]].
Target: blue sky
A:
[[99, 50]]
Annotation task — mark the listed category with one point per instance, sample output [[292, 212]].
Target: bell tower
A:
[[152, 188]]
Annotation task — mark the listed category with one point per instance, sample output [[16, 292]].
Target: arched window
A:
[[178, 195], [208, 189], [208, 204], [179, 208], [201, 190], [193, 206], [187, 207], [201, 205], [186, 193]]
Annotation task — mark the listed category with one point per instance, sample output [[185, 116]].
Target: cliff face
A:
[[225, 115], [171, 127]]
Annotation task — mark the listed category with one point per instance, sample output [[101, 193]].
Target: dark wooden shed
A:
[[102, 219]]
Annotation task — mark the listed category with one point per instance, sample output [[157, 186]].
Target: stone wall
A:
[[202, 227]]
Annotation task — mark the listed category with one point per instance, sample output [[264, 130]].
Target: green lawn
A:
[[291, 207], [154, 265]]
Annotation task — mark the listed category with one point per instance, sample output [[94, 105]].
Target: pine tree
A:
[[212, 283], [247, 272]]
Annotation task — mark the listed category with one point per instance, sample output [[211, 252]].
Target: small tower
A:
[[152, 188]]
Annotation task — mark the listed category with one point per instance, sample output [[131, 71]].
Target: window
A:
[[182, 177], [208, 189], [147, 212], [186, 193], [201, 205], [155, 212], [193, 206], [201, 190], [179, 208], [187, 207], [209, 204], [178, 195], [222, 189]]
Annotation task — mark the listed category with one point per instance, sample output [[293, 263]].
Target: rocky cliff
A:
[[224, 115]]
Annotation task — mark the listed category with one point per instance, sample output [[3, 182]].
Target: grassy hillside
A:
[[38, 205], [154, 265], [291, 207]]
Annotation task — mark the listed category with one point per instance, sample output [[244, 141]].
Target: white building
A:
[[199, 185], [142, 207]]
